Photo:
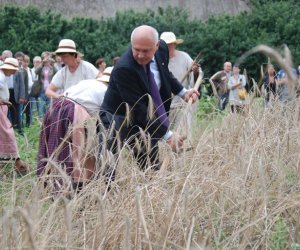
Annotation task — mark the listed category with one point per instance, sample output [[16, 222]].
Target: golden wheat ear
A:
[[128, 117], [150, 110]]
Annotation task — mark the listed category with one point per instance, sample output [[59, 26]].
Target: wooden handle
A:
[[190, 68], [196, 86], [214, 88]]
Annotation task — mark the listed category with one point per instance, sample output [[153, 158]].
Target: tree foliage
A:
[[219, 39]]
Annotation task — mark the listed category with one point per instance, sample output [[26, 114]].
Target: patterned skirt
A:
[[8, 145]]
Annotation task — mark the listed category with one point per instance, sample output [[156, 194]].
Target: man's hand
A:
[[176, 141], [191, 93], [195, 67]]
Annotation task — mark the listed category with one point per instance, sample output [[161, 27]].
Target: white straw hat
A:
[[169, 37], [66, 46], [10, 63], [106, 74]]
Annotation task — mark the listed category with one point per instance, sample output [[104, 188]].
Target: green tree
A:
[[219, 39], [29, 30]]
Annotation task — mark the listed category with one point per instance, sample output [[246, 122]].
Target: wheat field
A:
[[238, 188]]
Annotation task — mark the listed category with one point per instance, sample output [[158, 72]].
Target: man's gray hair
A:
[[152, 31], [37, 58], [7, 53]]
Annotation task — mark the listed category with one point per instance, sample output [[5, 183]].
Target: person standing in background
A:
[[45, 74], [28, 85], [220, 81], [236, 82], [283, 91], [35, 98], [114, 60], [17, 95], [58, 64], [101, 65], [269, 82]]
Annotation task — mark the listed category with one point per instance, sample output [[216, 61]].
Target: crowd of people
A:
[[132, 101], [230, 86]]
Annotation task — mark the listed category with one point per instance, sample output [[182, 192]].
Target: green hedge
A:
[[218, 39]]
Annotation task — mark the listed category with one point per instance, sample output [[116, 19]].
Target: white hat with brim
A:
[[169, 37], [66, 46], [106, 75], [10, 63]]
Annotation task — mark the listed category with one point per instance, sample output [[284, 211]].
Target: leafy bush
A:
[[220, 39]]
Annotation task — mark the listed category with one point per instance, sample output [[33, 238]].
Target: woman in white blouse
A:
[[237, 94]]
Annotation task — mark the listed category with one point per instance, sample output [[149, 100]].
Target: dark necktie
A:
[[159, 106]]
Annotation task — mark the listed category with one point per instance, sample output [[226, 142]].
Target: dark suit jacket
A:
[[19, 87], [129, 84]]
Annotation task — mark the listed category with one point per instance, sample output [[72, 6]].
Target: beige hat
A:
[[10, 63], [106, 74], [66, 46], [169, 37]]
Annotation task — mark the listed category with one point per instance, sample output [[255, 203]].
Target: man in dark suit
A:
[[17, 95], [127, 103]]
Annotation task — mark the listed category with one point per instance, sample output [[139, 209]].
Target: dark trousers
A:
[[223, 101], [26, 109], [237, 109], [15, 112], [144, 151]]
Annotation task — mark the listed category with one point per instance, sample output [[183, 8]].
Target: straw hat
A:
[[169, 37], [10, 63], [66, 46], [106, 75]]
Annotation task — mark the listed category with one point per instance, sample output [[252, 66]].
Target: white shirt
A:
[[10, 81], [4, 92], [154, 69], [89, 93], [233, 93], [64, 79], [30, 81], [34, 76], [179, 65]]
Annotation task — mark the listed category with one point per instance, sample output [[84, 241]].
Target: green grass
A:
[[28, 147], [280, 235], [28, 143]]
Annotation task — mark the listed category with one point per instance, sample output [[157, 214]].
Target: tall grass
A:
[[239, 188]]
